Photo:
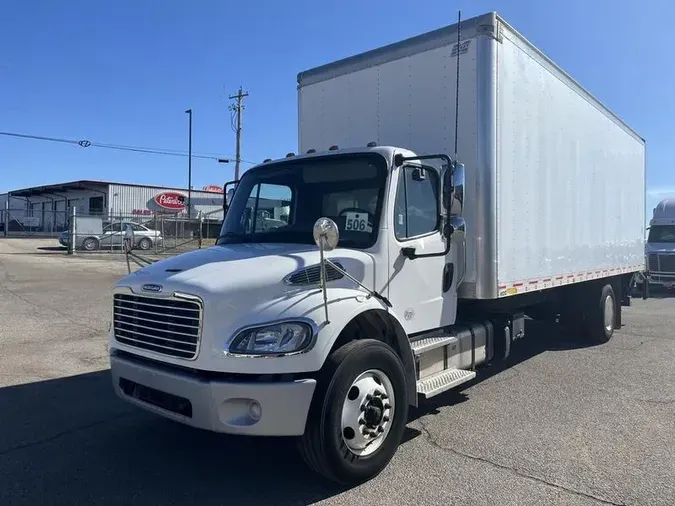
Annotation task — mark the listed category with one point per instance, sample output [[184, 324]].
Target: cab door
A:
[[421, 290]]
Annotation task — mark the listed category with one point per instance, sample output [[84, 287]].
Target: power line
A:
[[120, 147]]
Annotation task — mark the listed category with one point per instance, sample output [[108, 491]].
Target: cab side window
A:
[[416, 210]]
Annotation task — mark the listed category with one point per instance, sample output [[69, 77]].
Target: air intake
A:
[[312, 275]]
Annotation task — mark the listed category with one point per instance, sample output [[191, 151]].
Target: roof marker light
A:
[[333, 147], [290, 155], [310, 151], [371, 144]]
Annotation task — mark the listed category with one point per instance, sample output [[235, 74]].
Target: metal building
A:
[[46, 209]]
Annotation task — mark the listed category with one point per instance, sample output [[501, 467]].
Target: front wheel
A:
[[358, 414]]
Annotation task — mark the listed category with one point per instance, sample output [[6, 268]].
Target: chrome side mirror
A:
[[457, 203], [326, 234]]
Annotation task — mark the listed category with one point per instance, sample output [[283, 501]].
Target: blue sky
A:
[[123, 72]]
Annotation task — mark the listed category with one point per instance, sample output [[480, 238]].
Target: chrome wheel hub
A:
[[367, 412]]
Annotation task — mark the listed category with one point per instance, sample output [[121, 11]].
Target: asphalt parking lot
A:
[[562, 424]]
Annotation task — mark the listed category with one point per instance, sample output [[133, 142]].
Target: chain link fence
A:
[[22, 222], [154, 233], [157, 233]]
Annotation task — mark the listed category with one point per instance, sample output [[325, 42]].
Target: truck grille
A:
[[662, 262], [653, 262], [666, 263], [167, 326]]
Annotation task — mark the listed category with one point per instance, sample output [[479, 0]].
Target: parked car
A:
[[112, 236]]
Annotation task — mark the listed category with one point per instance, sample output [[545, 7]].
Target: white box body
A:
[[555, 182]]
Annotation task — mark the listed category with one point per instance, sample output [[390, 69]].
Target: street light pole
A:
[[189, 112]]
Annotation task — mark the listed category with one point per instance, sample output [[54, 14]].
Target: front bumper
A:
[[662, 279], [220, 406]]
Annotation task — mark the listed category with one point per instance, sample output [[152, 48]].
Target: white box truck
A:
[[400, 261]]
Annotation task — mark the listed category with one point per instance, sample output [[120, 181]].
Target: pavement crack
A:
[[429, 438], [38, 307], [64, 433]]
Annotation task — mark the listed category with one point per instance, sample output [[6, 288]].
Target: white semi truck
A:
[[418, 225]]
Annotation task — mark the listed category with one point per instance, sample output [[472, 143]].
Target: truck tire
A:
[[358, 414], [602, 321]]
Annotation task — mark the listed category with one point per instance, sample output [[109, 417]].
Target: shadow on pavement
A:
[[43, 250], [60, 249], [540, 337], [657, 292], [71, 441]]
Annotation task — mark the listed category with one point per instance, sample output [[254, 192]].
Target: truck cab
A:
[[661, 245]]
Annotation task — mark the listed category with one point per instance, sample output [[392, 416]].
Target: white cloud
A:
[[661, 191]]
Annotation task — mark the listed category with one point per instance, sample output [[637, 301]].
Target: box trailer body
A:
[[384, 264], [555, 182]]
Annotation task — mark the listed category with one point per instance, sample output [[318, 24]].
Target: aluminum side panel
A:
[[571, 180]]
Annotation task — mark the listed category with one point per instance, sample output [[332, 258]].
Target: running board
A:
[[442, 381], [430, 343]]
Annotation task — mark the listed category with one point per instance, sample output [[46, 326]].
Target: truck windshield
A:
[[279, 203], [662, 233]]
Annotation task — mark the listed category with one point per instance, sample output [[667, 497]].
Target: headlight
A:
[[287, 337]]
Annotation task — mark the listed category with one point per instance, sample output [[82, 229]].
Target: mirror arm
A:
[[346, 274], [410, 254], [399, 159], [226, 206]]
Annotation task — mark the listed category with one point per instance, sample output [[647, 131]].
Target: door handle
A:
[[448, 275], [408, 252]]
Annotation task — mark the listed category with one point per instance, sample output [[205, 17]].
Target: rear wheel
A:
[[358, 414], [145, 244], [90, 244], [602, 320]]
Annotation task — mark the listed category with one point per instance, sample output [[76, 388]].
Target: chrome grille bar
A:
[[169, 326]]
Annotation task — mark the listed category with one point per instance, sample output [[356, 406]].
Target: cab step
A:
[[442, 381], [431, 343]]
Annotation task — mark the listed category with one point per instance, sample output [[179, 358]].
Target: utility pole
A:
[[238, 108], [189, 112]]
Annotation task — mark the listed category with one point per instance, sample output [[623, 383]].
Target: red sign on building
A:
[[213, 188], [171, 200]]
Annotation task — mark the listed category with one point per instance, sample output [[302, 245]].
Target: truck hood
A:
[[251, 271]]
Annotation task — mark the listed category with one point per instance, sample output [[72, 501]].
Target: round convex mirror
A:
[[326, 234]]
